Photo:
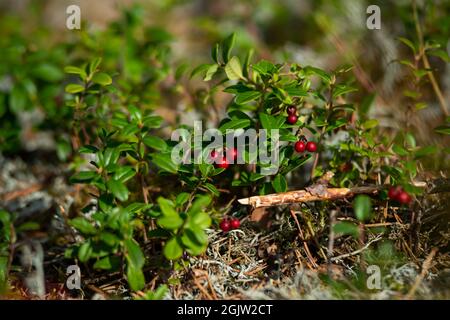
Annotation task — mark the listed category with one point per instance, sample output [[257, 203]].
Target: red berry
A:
[[223, 164], [291, 110], [404, 197], [235, 223], [234, 153], [311, 146], [346, 167], [292, 119], [225, 225], [300, 146], [394, 192], [214, 154]]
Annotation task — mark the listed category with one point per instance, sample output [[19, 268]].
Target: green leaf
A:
[[135, 277], [102, 79], [83, 177], [83, 225], [167, 207], [235, 124], [399, 150], [227, 45], [366, 104], [346, 227], [408, 43], [134, 254], [295, 163], [48, 72], [205, 169], [195, 241], [425, 151], [110, 156], [171, 222], [215, 53], [75, 70], [93, 65], [247, 61], [201, 202], [200, 219], [88, 149], [264, 67], [279, 183], [18, 99], [74, 88], [5, 217], [343, 89], [123, 174], [109, 238], [155, 142], [233, 69], [211, 72], [108, 263], [212, 189], [201, 69], [441, 54], [85, 251], [410, 140], [420, 105], [28, 226], [318, 72], [362, 205], [442, 129], [173, 250], [181, 199], [295, 91], [246, 97], [158, 294], [164, 162], [118, 189], [369, 124], [152, 121], [268, 122]]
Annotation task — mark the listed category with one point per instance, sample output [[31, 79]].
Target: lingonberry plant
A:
[[139, 213], [125, 151]]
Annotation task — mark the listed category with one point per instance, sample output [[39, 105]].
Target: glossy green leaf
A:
[[135, 277], [233, 69], [171, 222], [227, 45], [74, 88], [155, 142], [102, 79], [362, 205], [173, 250], [83, 225], [118, 189], [134, 254]]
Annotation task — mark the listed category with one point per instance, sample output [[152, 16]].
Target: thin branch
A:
[[354, 253], [426, 265], [301, 196]]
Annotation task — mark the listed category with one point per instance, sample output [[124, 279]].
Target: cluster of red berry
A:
[[303, 145], [223, 161], [397, 193], [227, 225], [292, 117]]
